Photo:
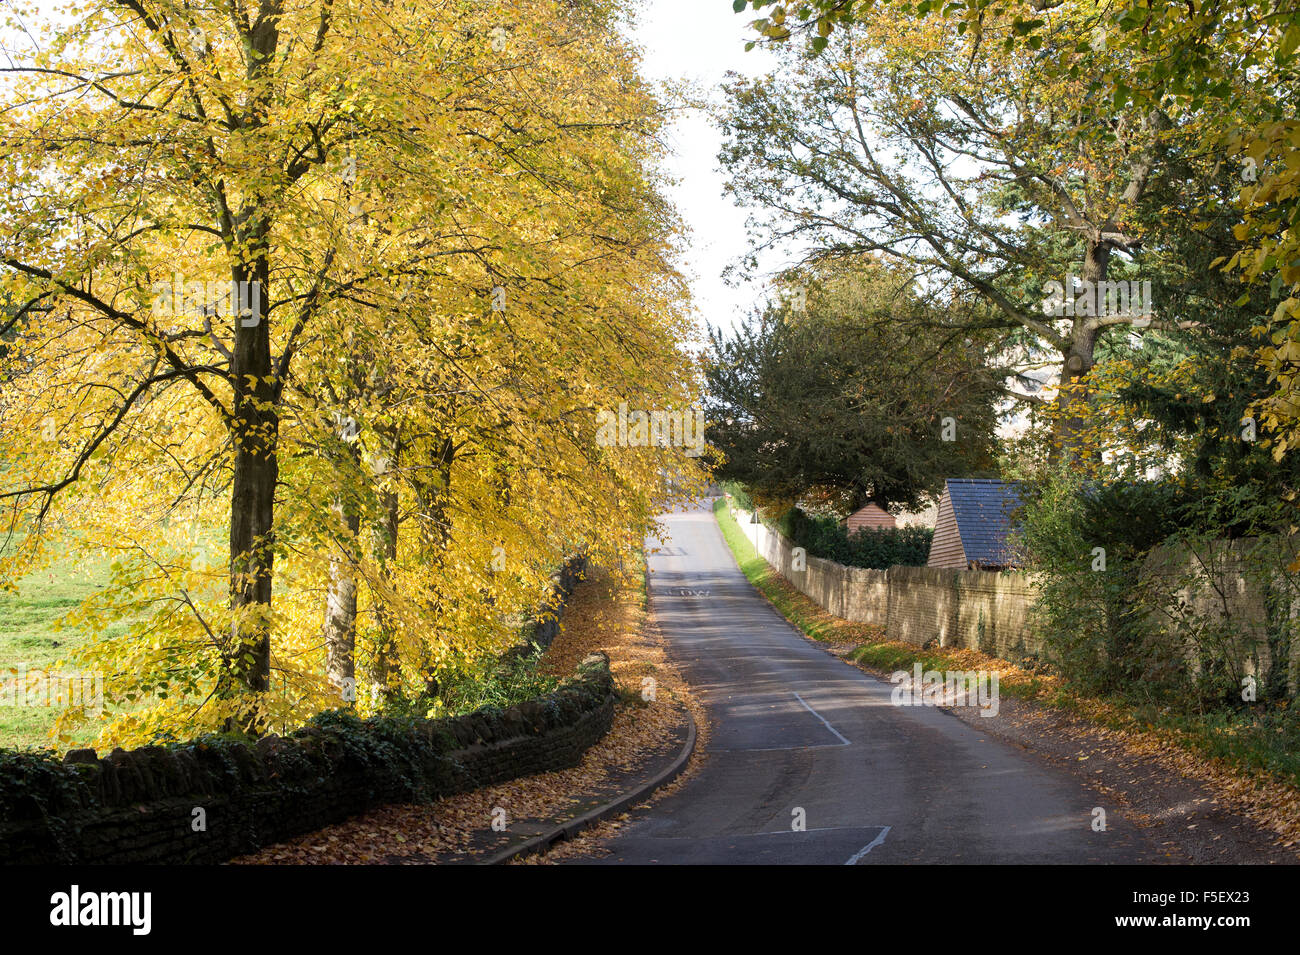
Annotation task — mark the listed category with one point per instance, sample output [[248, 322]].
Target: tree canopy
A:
[[973, 166], [850, 386], [1227, 68], [346, 283]]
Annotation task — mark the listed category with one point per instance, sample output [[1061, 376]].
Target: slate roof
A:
[[983, 510]]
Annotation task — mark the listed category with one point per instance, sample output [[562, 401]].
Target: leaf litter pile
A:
[[602, 614]]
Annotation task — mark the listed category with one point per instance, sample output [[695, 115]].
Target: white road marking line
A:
[[884, 831], [843, 741], [782, 832]]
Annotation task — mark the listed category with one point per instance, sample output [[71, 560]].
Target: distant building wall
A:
[[869, 517], [925, 517]]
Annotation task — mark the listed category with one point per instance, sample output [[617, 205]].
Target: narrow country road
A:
[[793, 729]]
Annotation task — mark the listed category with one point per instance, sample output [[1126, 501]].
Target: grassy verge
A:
[[794, 606], [1265, 743], [872, 651]]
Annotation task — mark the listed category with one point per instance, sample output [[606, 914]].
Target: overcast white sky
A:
[[700, 40]]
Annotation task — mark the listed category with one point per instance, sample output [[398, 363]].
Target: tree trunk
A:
[[341, 593], [385, 666], [433, 489], [255, 431], [1078, 360], [341, 609], [246, 664]]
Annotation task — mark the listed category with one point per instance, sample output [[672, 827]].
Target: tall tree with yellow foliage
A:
[[314, 272]]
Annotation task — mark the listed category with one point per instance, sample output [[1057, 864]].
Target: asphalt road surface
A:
[[798, 735]]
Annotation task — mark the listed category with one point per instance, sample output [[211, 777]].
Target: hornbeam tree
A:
[[253, 251]]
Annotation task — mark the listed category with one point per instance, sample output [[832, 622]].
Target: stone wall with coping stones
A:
[[922, 606], [995, 613], [1241, 592], [137, 806]]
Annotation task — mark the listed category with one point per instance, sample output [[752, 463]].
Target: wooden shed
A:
[[871, 516], [974, 525]]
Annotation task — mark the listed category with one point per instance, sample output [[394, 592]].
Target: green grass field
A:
[[30, 637]]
